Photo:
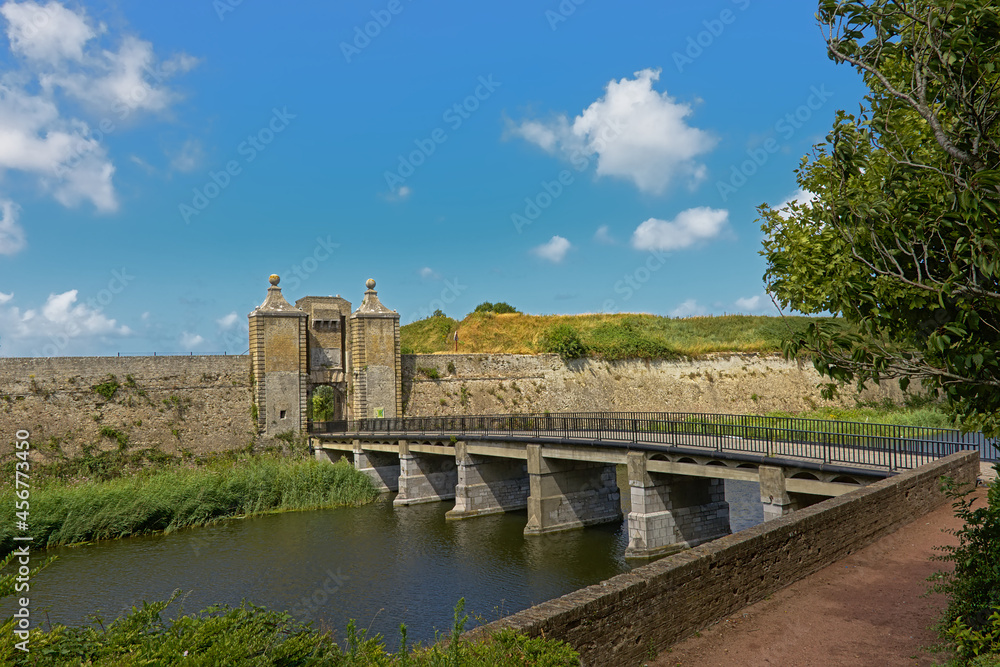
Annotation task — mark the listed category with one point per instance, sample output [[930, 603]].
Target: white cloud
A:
[[190, 340], [117, 81], [228, 321], [636, 133], [554, 250], [61, 54], [54, 327], [688, 228], [800, 198], [749, 304], [11, 234], [49, 33], [4, 298], [688, 309], [427, 273], [67, 160], [189, 157], [603, 235]]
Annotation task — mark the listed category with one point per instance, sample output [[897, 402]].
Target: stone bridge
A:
[[563, 468]]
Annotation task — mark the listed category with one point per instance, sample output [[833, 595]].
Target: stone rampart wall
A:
[[175, 404], [623, 620], [725, 384]]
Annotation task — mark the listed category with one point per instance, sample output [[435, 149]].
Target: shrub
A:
[[564, 340], [498, 308], [970, 622]]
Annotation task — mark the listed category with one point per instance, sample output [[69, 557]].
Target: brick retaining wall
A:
[[623, 620]]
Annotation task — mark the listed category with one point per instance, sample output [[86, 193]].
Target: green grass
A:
[[252, 635], [615, 336], [176, 497]]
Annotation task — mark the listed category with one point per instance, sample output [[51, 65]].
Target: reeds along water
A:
[[165, 500]]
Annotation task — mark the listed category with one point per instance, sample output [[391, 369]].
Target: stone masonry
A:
[[488, 485], [672, 512], [569, 494], [683, 593]]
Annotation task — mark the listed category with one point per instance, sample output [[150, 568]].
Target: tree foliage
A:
[[324, 403], [498, 308], [901, 236]]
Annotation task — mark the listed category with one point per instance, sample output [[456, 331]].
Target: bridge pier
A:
[[569, 494], [424, 478], [382, 468], [488, 485], [672, 512], [776, 499]]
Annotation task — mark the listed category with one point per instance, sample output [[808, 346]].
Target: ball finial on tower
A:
[[370, 283], [274, 279]]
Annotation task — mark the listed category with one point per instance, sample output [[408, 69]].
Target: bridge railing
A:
[[838, 442]]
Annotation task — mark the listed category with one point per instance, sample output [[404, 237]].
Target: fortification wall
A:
[[622, 620], [201, 404], [501, 383], [195, 404]]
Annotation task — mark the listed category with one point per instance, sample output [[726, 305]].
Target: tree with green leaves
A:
[[324, 403], [901, 238], [498, 308]]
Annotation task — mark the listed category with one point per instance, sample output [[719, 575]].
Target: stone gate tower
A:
[[320, 342], [376, 376], [278, 356]]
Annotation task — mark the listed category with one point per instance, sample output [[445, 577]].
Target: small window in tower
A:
[[282, 415]]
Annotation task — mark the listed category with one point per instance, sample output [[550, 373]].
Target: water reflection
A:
[[379, 565]]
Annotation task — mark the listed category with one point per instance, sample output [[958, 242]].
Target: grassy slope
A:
[[606, 335]]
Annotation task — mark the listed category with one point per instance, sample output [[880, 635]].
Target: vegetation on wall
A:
[[606, 336]]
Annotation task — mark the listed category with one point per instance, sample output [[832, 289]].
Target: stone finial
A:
[[275, 302], [370, 304]]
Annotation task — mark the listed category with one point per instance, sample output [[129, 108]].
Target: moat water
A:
[[378, 565]]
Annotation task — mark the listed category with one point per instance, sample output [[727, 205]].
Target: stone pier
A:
[[382, 468], [488, 485], [776, 499], [672, 512], [424, 478], [569, 494]]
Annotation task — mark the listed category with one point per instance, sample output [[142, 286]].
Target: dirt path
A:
[[867, 609]]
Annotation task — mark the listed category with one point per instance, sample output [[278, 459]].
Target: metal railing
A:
[[835, 442]]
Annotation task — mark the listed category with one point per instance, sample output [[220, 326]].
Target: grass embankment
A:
[[178, 497], [616, 336], [252, 635]]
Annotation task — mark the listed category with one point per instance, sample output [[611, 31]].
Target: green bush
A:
[[628, 339], [498, 308], [971, 624], [564, 340], [254, 635]]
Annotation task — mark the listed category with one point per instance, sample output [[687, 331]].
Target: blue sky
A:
[[160, 160]]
